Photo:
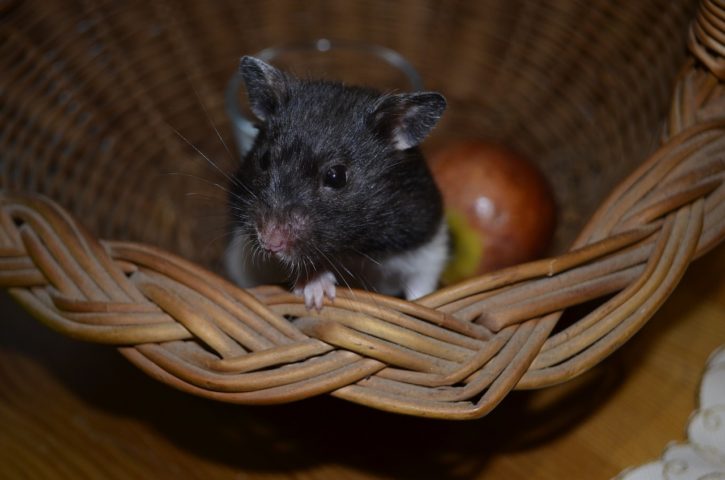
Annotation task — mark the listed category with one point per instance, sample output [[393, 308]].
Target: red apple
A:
[[499, 207]]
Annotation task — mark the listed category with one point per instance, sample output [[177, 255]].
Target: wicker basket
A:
[[96, 95]]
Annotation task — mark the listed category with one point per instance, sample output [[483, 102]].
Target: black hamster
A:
[[335, 189]]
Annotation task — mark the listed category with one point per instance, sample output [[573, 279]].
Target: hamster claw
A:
[[315, 289]]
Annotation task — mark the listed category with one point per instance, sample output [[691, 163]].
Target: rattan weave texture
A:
[[95, 96]]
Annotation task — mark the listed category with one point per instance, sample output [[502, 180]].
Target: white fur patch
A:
[[417, 271]]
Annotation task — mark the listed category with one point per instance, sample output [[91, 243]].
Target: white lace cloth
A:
[[703, 456]]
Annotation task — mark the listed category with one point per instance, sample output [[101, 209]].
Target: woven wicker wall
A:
[[110, 108], [92, 94]]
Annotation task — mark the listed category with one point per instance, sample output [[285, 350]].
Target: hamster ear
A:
[[265, 85], [405, 119]]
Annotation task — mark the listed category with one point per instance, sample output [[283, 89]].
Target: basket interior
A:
[[110, 108]]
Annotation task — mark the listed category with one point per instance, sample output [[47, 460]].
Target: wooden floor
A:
[[74, 410]]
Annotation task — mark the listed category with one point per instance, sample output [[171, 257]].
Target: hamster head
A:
[[334, 170]]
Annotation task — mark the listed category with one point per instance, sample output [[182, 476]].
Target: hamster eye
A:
[[335, 176], [264, 161]]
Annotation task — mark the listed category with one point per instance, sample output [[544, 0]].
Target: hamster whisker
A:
[[262, 255], [202, 154], [305, 259], [209, 199], [376, 262], [253, 251], [223, 235], [229, 178], [360, 278], [294, 269], [212, 184], [328, 260], [202, 195], [297, 274], [208, 117], [342, 278]]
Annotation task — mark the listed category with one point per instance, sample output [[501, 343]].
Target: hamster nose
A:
[[280, 235], [276, 238]]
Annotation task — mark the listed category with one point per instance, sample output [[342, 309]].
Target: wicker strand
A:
[[454, 354], [171, 301]]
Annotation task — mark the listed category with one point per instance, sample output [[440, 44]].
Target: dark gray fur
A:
[[390, 203]]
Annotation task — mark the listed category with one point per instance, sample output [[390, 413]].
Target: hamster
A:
[[335, 189]]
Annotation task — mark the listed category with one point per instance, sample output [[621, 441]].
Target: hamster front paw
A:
[[315, 289]]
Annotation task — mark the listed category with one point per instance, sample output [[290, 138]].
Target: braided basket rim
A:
[[453, 354]]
